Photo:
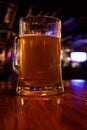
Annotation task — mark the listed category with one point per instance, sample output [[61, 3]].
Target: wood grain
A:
[[63, 112]]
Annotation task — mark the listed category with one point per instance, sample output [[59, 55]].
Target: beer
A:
[[39, 63]]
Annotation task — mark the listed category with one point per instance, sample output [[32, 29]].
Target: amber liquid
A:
[[39, 64]]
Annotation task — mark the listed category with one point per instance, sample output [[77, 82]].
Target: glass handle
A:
[[16, 54]]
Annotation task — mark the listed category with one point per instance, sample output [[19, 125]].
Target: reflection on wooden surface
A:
[[62, 112], [40, 114], [24, 113]]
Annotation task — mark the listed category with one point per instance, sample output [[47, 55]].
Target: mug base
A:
[[39, 91]]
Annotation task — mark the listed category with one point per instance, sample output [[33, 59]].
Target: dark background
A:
[[73, 14]]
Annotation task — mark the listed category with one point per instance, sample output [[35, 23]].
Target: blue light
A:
[[70, 21], [78, 56], [35, 88], [80, 42], [49, 33], [78, 83]]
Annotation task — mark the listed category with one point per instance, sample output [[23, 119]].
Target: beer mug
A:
[[37, 56]]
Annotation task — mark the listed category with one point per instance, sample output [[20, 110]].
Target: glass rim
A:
[[45, 16]]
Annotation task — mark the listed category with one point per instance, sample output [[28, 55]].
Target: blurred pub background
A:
[[74, 33]]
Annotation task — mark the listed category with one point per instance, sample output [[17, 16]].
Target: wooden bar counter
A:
[[63, 112]]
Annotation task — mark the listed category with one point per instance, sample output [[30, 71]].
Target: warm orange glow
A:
[[3, 56]]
